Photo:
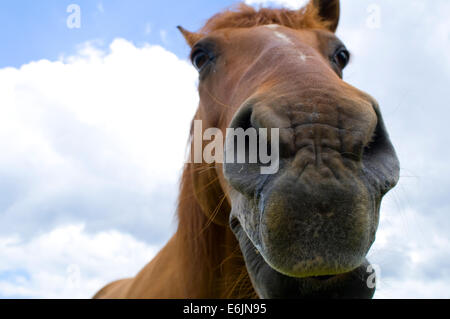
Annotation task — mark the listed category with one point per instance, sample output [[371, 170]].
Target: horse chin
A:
[[271, 284]]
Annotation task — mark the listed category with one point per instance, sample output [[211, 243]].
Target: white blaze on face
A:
[[283, 37], [272, 26], [278, 34], [303, 57]]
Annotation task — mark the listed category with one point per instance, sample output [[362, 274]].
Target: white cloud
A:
[[290, 4], [398, 65], [68, 262], [96, 139], [412, 254]]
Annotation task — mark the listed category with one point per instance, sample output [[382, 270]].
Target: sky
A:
[[88, 184]]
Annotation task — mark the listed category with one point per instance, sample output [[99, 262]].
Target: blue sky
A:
[[87, 180], [33, 30]]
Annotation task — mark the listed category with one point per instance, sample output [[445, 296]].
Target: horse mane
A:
[[204, 243], [245, 16]]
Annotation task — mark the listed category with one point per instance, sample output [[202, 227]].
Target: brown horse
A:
[[304, 231]]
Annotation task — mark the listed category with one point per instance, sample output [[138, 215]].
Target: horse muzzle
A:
[[318, 214]]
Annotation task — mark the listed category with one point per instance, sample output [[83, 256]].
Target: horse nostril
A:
[[243, 118], [379, 156], [254, 149], [375, 142]]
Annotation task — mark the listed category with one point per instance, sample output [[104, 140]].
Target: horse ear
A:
[[190, 37], [329, 11]]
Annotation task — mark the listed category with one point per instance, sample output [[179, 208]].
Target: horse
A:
[[304, 231]]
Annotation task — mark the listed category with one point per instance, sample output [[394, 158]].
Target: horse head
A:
[[305, 230]]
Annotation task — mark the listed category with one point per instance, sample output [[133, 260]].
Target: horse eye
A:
[[341, 58], [200, 59]]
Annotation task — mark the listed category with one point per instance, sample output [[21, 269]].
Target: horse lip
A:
[[324, 278], [331, 279], [236, 226], [351, 284]]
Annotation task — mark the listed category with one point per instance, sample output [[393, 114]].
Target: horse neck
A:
[[209, 253]]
